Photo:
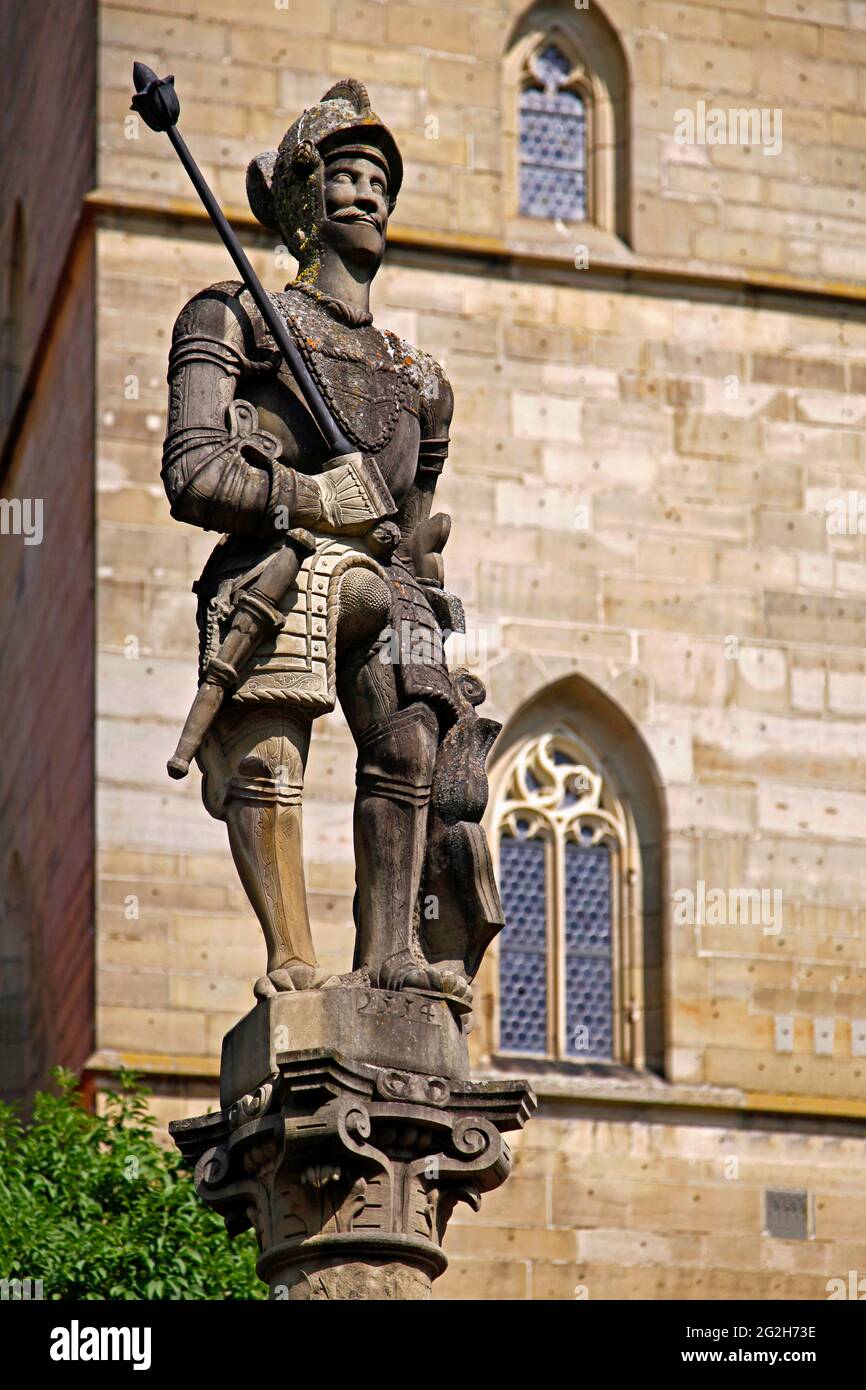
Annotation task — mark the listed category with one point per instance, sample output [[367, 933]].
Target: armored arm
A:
[[219, 469], [424, 537]]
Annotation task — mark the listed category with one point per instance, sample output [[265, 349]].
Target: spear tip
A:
[[141, 75], [155, 99]]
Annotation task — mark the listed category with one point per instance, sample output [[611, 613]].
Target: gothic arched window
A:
[[566, 129], [552, 138], [569, 879]]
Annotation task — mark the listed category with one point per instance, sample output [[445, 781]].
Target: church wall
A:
[[642, 474]]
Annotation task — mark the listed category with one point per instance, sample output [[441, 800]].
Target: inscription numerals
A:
[[404, 1005]]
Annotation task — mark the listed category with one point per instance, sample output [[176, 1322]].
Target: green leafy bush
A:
[[95, 1208]]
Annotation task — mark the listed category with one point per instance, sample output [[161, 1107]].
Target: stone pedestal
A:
[[349, 1130], [407, 1029]]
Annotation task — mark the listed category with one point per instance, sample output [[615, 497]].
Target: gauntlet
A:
[[354, 495]]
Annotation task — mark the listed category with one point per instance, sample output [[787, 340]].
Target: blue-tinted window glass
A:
[[552, 144], [523, 946], [588, 953]]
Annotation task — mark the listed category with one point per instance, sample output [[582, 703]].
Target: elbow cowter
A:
[[223, 492], [226, 492], [219, 468]]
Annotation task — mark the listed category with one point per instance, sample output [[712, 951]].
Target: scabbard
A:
[[256, 615]]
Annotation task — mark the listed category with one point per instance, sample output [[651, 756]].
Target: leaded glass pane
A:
[[545, 193], [523, 946], [552, 129], [552, 144], [551, 67], [588, 955]]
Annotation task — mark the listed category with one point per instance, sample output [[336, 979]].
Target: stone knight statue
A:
[[245, 456], [349, 1126]]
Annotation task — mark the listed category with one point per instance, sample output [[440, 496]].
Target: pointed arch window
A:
[[569, 879], [566, 129], [552, 137]]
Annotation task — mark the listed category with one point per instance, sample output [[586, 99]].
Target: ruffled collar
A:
[[337, 308]]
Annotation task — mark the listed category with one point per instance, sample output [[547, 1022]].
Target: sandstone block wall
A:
[[441, 74], [642, 475]]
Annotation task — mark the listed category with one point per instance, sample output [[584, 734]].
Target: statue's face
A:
[[356, 208]]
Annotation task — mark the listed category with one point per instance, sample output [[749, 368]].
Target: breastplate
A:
[[363, 374]]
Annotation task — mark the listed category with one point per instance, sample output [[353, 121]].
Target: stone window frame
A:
[[599, 73], [604, 807]]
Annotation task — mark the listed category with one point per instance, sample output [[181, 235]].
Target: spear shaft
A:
[[257, 609], [157, 103]]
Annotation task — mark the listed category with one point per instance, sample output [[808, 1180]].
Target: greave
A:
[[267, 847], [394, 779]]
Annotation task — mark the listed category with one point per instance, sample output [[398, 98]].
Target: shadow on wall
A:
[[24, 1050]]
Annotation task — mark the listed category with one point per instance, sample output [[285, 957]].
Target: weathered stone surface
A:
[[349, 1173], [418, 1032], [699, 347], [329, 580]]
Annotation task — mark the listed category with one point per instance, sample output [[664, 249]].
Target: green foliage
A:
[[96, 1209]]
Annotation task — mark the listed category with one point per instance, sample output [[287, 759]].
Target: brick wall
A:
[[47, 154], [46, 678], [47, 159]]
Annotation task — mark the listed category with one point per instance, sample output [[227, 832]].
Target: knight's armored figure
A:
[[363, 619]]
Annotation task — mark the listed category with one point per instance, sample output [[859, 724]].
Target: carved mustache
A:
[[356, 215]]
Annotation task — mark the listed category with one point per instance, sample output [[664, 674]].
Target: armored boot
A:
[[394, 778]]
